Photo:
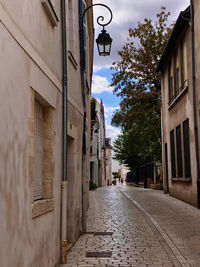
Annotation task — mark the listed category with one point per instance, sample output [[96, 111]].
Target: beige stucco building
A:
[[31, 130], [179, 140]]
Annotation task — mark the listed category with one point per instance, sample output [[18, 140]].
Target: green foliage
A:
[[92, 186], [116, 175], [136, 83], [114, 182], [93, 108]]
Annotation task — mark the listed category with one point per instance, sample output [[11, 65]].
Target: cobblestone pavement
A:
[[147, 228]]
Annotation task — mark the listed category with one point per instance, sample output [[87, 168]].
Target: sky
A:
[[126, 14]]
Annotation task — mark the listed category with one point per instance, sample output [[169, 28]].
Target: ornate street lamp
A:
[[104, 40]]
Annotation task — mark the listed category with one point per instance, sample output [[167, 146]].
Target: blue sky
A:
[[101, 90], [126, 14]]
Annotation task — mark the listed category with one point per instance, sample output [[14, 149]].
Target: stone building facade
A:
[[179, 143], [31, 129], [108, 148], [98, 145]]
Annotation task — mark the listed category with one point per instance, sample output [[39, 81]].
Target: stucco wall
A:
[[30, 68], [25, 241], [171, 118]]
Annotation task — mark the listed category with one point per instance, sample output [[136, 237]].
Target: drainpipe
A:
[[63, 232], [194, 100]]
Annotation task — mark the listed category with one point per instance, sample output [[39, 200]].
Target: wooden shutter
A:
[[186, 145], [166, 167], [38, 150], [173, 159], [179, 151]]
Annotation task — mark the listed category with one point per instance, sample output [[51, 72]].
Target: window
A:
[[186, 145], [180, 158], [41, 162], [166, 167], [182, 62], [43, 172], [177, 72], [177, 81], [173, 159], [179, 151], [171, 88], [49, 6], [170, 78], [71, 26], [38, 151]]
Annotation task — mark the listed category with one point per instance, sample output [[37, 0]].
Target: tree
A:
[[116, 174], [135, 82]]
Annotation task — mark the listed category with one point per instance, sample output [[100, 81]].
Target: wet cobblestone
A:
[[149, 229]]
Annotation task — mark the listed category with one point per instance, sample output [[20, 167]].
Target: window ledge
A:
[[42, 206], [182, 180], [72, 59], [178, 97], [50, 12]]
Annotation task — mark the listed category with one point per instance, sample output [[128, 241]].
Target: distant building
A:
[[108, 148], [97, 145], [95, 139], [102, 177], [123, 171]]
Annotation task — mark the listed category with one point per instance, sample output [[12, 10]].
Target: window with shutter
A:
[[179, 151], [38, 150], [166, 167], [173, 159], [186, 146]]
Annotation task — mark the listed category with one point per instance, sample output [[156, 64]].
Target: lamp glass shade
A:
[[104, 43]]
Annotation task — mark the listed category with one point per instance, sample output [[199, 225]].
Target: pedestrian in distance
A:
[[122, 181]]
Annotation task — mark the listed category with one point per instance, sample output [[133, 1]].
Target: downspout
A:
[[194, 100], [63, 231]]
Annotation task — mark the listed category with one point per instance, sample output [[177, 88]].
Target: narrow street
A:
[[144, 228]]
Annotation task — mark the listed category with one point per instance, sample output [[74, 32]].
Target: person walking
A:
[[122, 181]]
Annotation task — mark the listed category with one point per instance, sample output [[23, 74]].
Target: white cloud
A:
[[126, 14], [108, 112], [110, 109], [97, 68], [112, 132], [100, 84]]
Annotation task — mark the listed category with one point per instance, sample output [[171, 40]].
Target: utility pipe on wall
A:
[[194, 99], [63, 231]]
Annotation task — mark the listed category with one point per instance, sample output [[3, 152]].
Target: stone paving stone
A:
[[136, 240]]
